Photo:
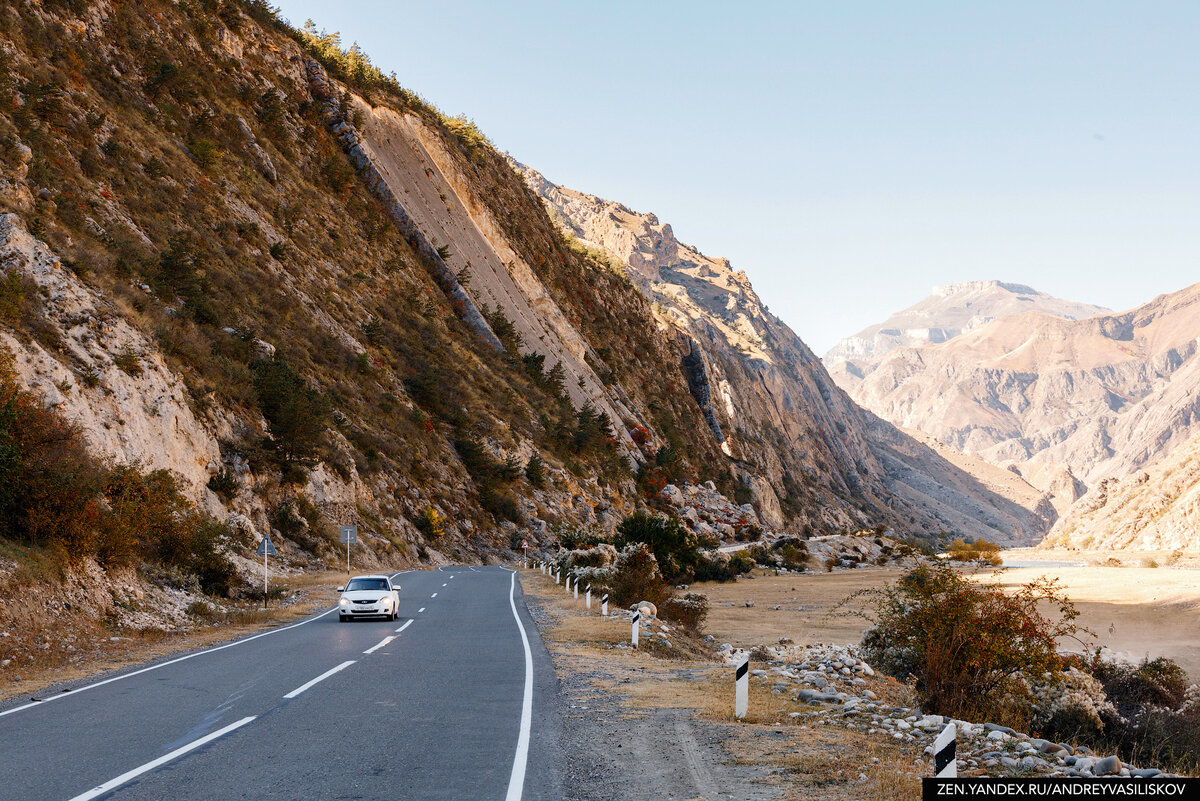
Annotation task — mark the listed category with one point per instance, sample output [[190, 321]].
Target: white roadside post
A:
[[637, 620], [576, 588], [266, 548], [588, 597], [604, 605], [557, 576], [741, 687], [568, 582], [945, 766]]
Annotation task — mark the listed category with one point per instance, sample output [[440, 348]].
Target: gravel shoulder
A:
[[658, 723]]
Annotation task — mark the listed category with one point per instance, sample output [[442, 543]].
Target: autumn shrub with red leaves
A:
[[967, 645]]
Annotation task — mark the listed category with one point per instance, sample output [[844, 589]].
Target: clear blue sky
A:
[[846, 155]]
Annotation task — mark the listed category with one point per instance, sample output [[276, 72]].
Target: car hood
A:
[[365, 595]]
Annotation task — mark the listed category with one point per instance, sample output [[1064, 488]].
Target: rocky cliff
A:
[[1157, 509], [796, 440], [949, 310], [1065, 403]]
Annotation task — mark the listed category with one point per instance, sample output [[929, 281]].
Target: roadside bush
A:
[[723, 567], [674, 547], [690, 611], [967, 645], [636, 577]]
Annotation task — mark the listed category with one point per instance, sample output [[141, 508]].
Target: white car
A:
[[367, 596]]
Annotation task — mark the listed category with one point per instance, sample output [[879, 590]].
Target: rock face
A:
[[798, 443], [948, 311], [1151, 510], [1063, 401], [135, 413]]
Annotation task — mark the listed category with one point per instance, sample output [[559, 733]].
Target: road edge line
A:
[[516, 781]]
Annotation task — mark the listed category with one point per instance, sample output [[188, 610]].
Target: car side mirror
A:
[[341, 589]]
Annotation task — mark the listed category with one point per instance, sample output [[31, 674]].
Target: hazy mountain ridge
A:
[[1102, 397], [768, 380], [947, 312]]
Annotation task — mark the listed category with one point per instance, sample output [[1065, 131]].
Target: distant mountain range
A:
[[949, 310], [1063, 394]]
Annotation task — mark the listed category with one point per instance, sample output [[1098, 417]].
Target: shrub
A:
[[968, 645], [636, 577], [431, 522], [674, 547], [225, 483], [978, 551], [491, 477], [689, 611]]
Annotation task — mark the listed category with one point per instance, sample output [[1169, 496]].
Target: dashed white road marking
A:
[[516, 781], [128, 776], [380, 644], [433, 596], [320, 678], [444, 585], [78, 690], [406, 625], [419, 611]]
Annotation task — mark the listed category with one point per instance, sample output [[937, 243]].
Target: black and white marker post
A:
[[741, 687], [604, 605], [557, 576], [568, 582], [588, 597], [637, 621], [945, 766], [576, 588]]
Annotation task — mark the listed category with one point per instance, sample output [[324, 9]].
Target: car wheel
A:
[[341, 618]]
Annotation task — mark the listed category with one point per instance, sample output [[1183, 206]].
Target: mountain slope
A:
[[948, 312], [1150, 510], [773, 406], [1102, 397]]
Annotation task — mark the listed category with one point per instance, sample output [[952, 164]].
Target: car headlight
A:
[[344, 602], [383, 601]]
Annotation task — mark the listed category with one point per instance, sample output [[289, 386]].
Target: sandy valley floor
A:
[[1135, 611]]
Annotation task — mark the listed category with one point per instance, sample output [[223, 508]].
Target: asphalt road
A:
[[455, 707]]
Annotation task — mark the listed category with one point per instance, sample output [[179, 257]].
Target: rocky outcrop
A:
[[360, 153], [795, 439], [1157, 509], [949, 311], [103, 374]]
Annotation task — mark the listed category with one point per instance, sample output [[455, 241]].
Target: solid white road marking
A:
[[380, 644], [433, 596], [320, 678], [406, 625], [78, 690], [162, 760], [516, 781], [419, 611]]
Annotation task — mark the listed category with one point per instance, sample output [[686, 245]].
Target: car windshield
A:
[[366, 584]]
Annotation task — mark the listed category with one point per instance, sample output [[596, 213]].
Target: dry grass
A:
[[95, 651], [804, 601]]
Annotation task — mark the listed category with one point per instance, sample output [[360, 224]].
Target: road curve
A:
[[455, 701]]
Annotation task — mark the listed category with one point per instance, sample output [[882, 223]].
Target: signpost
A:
[[525, 548], [266, 548], [349, 536]]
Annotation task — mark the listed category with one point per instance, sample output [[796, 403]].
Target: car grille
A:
[[364, 602]]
